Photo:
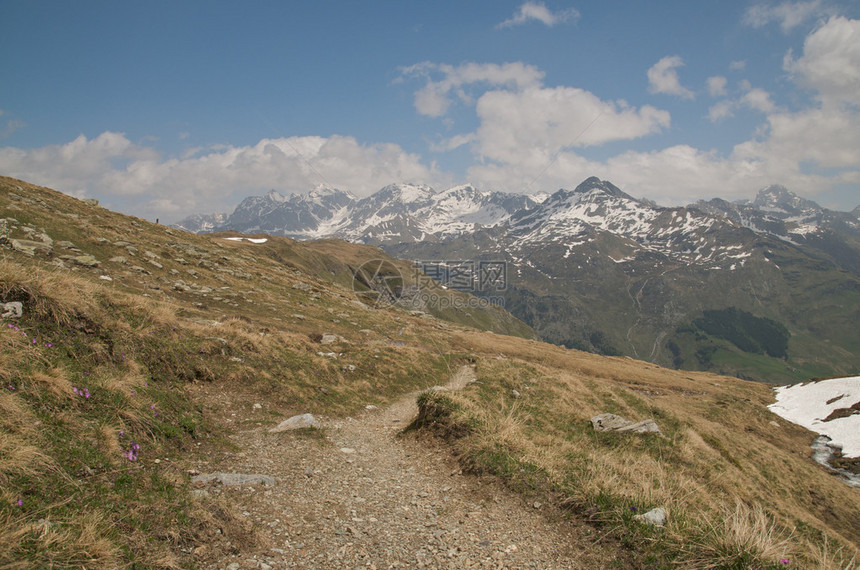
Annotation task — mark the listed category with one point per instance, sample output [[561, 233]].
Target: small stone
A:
[[645, 426], [654, 517], [347, 450], [12, 310], [609, 422], [296, 422]]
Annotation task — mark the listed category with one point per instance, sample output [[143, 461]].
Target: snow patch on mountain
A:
[[812, 405]]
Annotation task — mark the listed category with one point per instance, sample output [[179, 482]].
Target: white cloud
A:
[[828, 138], [717, 85], [788, 15], [537, 11], [434, 99], [541, 121], [452, 143], [759, 100], [738, 65], [721, 110], [135, 179], [831, 62], [663, 78]]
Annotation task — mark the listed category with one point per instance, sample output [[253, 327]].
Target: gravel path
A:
[[360, 497]]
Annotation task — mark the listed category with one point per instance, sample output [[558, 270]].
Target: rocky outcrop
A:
[[612, 422]]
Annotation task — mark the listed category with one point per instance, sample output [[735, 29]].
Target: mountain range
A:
[[766, 289]]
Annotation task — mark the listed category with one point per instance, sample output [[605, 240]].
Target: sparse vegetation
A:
[[721, 470], [101, 413]]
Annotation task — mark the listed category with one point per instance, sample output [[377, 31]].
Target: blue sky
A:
[[162, 109]]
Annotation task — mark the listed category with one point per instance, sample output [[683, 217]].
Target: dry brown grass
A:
[[721, 448], [20, 451], [736, 537], [52, 295], [54, 381]]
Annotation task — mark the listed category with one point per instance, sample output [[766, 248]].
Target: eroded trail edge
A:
[[355, 495]]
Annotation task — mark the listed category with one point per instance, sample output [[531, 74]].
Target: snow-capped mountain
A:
[[597, 269], [778, 212], [202, 223], [396, 213], [573, 217]]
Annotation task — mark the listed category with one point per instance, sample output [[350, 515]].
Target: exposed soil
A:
[[354, 494]]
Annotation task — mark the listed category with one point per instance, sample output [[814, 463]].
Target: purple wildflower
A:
[[784, 561], [75, 390], [20, 502], [86, 393], [131, 454], [11, 387]]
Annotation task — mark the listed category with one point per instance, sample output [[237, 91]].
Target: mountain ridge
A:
[[597, 269]]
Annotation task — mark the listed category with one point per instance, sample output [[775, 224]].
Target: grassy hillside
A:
[[101, 422], [735, 479]]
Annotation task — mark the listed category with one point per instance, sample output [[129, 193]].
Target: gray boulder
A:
[[654, 517], [13, 310], [609, 422], [612, 422], [296, 422]]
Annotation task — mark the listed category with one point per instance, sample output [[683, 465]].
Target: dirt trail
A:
[[360, 497]]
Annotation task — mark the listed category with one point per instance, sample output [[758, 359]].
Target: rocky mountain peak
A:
[[407, 193], [275, 196], [779, 198]]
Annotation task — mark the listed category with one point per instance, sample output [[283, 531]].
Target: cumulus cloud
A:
[[663, 78], [717, 85], [443, 80], [537, 11], [826, 134], [759, 100], [788, 15], [135, 179], [830, 63], [541, 121], [721, 110]]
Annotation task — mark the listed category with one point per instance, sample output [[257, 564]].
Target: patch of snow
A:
[[807, 405], [252, 240]]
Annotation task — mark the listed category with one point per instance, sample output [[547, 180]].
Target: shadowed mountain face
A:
[[596, 269]]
